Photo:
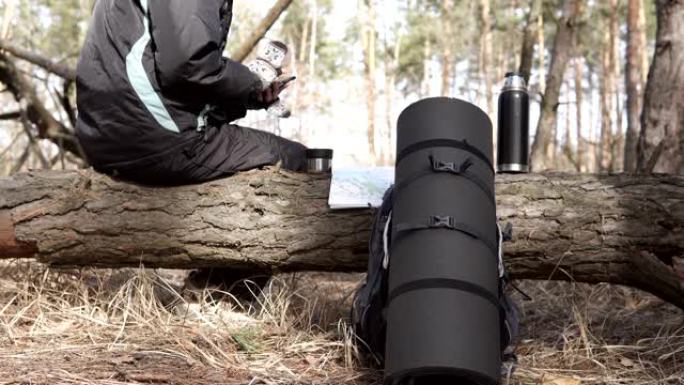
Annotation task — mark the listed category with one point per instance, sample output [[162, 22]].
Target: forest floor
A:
[[136, 326]]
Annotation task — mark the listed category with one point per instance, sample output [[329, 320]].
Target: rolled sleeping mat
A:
[[443, 317]]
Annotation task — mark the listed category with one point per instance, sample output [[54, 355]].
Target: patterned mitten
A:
[[268, 66]]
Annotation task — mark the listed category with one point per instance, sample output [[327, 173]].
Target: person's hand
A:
[[263, 99], [270, 94]]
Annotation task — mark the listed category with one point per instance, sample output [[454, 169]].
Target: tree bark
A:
[[634, 84], [619, 229], [661, 143], [542, 148]]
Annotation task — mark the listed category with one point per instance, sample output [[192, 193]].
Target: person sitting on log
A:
[[156, 98]]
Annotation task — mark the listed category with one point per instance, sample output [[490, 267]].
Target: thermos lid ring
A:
[[319, 153], [513, 73]]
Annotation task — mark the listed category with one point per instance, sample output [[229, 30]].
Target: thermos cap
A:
[[319, 153], [514, 81], [319, 160]]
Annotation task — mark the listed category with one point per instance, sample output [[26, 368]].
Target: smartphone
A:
[[287, 81]]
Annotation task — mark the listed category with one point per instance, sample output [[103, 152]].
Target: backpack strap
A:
[[438, 166], [443, 222], [445, 283], [459, 144]]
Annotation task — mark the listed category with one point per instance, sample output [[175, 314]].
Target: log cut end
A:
[[10, 246]]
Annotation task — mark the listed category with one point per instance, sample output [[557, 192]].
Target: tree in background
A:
[[542, 148], [369, 39], [486, 54], [316, 59], [661, 142], [634, 79], [608, 139], [528, 42], [42, 103], [419, 48]]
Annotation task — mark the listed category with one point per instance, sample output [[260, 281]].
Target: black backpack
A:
[[370, 301]]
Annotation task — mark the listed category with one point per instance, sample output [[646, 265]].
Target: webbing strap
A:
[[442, 222], [445, 283], [459, 169], [459, 144]]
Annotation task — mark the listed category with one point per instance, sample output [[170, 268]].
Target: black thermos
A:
[[514, 125]]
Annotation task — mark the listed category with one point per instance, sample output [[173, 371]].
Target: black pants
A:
[[219, 152]]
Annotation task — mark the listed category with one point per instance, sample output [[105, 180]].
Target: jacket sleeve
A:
[[188, 38]]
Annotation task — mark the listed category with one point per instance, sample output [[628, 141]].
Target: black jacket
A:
[[151, 75]]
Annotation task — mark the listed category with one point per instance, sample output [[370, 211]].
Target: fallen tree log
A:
[[618, 229]]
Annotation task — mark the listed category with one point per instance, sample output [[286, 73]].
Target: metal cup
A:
[[319, 161]]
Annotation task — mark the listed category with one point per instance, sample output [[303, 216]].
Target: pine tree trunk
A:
[[645, 58], [618, 143], [579, 101], [314, 39], [392, 66], [661, 142], [447, 53], [370, 47], [605, 159], [566, 148], [486, 62], [541, 42], [529, 40], [425, 82], [304, 41], [562, 49], [633, 80]]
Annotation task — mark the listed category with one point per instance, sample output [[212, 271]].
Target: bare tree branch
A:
[[12, 115], [69, 73], [271, 17], [36, 112], [39, 60]]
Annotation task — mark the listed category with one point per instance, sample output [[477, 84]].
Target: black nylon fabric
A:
[[184, 65], [369, 308], [219, 152], [445, 250]]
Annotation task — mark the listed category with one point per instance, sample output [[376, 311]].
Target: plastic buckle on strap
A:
[[450, 167], [440, 166], [445, 222]]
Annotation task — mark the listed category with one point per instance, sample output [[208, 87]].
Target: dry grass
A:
[[598, 334], [139, 327]]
